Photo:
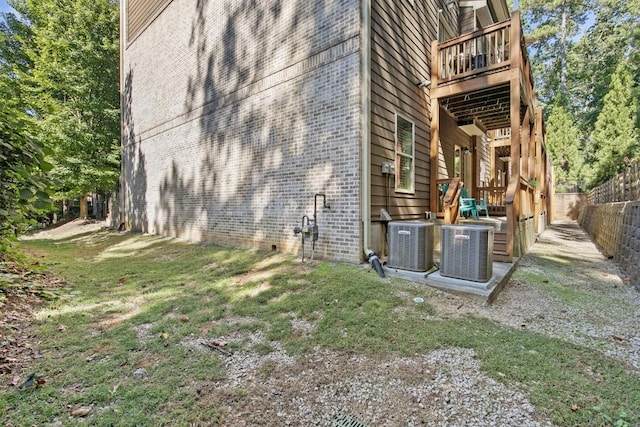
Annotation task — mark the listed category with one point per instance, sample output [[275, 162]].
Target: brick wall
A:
[[235, 115], [616, 228]]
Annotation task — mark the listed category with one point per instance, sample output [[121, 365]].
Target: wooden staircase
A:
[[500, 247]]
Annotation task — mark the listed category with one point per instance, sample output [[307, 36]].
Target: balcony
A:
[[472, 74]]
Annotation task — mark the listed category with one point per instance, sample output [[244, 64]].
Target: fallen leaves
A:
[[18, 280], [22, 289]]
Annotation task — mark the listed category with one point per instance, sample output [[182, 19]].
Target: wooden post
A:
[[494, 160], [435, 129], [513, 190]]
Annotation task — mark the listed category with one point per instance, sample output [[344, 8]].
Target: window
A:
[[405, 144], [445, 32]]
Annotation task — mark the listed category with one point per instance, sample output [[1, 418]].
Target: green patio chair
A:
[[468, 207]]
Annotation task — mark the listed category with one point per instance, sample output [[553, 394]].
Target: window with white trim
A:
[[405, 146]]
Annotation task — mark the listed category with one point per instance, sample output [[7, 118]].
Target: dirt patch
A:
[[66, 230]]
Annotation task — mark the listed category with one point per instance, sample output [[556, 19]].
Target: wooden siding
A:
[[401, 35], [140, 13], [467, 20], [450, 135]]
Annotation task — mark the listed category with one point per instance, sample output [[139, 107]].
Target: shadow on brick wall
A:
[[270, 136], [134, 166]]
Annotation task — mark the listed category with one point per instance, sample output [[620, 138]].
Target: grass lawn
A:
[[121, 338]]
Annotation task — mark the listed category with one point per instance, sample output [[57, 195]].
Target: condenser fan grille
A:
[[467, 252], [410, 245]]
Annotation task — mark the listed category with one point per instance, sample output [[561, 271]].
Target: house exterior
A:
[[236, 114]]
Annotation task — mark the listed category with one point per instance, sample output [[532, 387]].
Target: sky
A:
[[4, 7]]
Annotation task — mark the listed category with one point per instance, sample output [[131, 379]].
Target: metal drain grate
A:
[[346, 420]]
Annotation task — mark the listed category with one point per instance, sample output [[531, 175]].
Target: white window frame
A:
[[412, 156]]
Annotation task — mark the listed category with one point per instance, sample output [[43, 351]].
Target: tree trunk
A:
[[84, 208]]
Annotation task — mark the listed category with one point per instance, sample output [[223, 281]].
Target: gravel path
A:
[[580, 296], [563, 287]]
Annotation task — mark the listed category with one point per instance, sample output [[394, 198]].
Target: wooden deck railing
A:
[[449, 200], [520, 210], [487, 50], [475, 52], [442, 185], [495, 198]]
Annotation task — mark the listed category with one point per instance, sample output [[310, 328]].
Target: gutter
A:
[[365, 123], [365, 129]]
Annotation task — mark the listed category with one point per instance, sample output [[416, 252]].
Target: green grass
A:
[[557, 287], [136, 301]]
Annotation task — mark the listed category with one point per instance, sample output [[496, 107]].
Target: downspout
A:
[[365, 127]]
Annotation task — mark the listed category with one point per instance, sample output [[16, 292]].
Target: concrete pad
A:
[[484, 292]]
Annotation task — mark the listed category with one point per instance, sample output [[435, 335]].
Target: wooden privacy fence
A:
[[624, 187]]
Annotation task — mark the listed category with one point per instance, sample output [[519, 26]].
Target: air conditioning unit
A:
[[410, 245], [467, 252]]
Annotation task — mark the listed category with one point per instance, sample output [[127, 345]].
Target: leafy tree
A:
[[23, 169], [563, 142], [76, 78], [550, 26], [14, 62], [614, 35], [23, 179], [71, 87], [615, 139]]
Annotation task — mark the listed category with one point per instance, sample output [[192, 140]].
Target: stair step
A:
[[501, 256]]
